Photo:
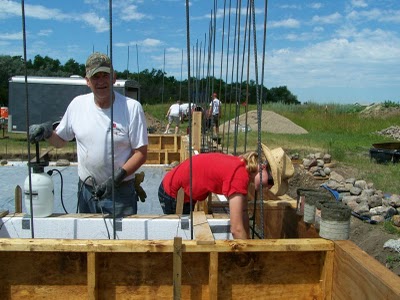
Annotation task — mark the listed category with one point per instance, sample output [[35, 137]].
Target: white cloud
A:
[[98, 23], [129, 12], [359, 3], [329, 19], [45, 32], [288, 23], [11, 36], [316, 5]]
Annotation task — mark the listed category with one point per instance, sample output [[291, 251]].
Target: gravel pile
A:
[[270, 122]]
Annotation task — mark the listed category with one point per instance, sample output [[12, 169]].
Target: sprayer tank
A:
[[42, 195]]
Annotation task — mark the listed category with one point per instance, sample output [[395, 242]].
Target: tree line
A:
[[155, 86]]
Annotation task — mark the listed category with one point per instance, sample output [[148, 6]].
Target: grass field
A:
[[340, 130]]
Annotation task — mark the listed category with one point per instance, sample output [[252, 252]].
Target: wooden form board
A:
[[114, 269]]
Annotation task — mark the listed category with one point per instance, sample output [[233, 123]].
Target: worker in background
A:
[[230, 176], [174, 116], [88, 120], [214, 113]]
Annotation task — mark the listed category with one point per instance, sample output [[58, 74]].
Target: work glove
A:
[[104, 189], [139, 177], [40, 132]]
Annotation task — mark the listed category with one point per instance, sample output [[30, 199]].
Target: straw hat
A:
[[281, 167]]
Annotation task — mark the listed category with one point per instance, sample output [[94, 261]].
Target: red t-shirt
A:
[[211, 172]]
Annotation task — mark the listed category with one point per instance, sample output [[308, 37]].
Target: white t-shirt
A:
[[90, 125], [215, 103], [175, 110]]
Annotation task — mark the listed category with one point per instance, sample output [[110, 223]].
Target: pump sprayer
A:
[[42, 188]]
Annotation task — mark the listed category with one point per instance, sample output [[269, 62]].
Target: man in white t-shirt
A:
[[88, 120], [174, 116], [214, 112]]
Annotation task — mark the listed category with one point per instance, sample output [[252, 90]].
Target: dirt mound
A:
[[270, 122]]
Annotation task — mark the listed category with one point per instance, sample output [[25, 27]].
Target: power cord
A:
[[50, 173]]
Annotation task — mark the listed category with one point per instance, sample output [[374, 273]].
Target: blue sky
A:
[[341, 51]]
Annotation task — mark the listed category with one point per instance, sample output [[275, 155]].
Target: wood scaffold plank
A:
[[213, 276], [177, 268], [202, 229], [92, 276]]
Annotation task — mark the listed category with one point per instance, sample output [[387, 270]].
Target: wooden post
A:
[[180, 199], [92, 276], [18, 199], [196, 130], [177, 268], [213, 276]]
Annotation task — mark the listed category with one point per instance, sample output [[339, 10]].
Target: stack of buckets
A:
[[330, 217]]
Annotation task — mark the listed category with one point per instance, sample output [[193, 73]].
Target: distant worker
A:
[[174, 116], [229, 176], [214, 113], [88, 120]]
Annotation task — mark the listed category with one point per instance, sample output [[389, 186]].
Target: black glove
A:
[[104, 190], [139, 177], [40, 132]]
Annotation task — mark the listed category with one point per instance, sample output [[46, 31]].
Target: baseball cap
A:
[[97, 62]]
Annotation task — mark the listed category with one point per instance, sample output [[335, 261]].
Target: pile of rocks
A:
[[318, 164], [364, 200]]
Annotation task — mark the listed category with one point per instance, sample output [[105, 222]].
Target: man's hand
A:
[[40, 132], [104, 190]]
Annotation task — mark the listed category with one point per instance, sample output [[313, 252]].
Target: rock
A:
[[3, 162], [362, 184], [396, 220], [327, 158], [355, 191], [385, 211], [374, 201], [337, 177], [327, 171], [394, 200], [378, 218]]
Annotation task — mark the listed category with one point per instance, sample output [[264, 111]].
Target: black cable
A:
[[105, 223], [50, 173], [94, 184]]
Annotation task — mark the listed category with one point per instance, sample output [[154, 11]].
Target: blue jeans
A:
[[125, 200], [168, 204]]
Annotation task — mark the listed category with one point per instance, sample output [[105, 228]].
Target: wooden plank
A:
[[64, 245], [277, 275], [202, 230], [180, 199], [357, 275], [92, 276], [327, 274], [177, 268], [196, 130], [213, 276]]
